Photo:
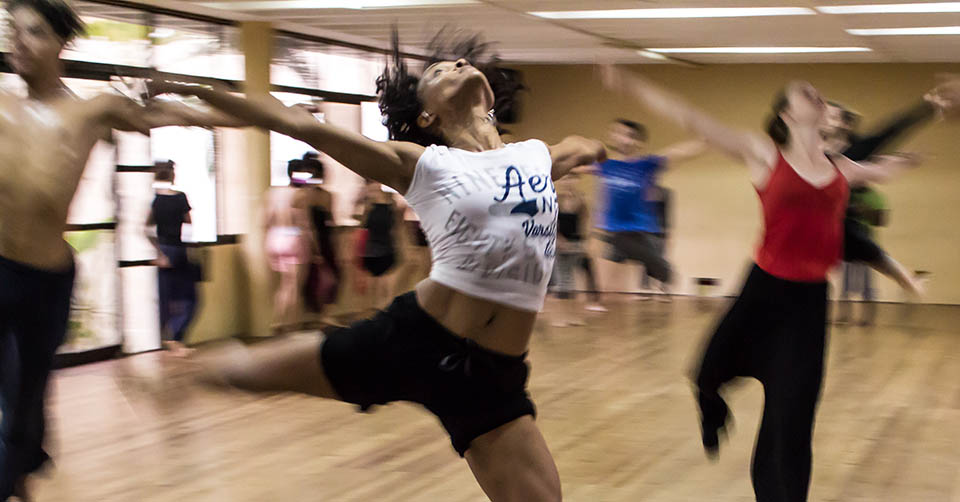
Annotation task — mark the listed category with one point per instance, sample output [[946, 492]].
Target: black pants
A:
[[34, 311], [177, 292], [775, 332]]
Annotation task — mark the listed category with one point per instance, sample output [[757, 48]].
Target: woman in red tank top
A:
[[776, 330]]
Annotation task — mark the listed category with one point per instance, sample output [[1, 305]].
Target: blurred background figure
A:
[[322, 286], [376, 244], [659, 199], [839, 131], [572, 253], [177, 275], [290, 246], [416, 261], [868, 208], [628, 214]]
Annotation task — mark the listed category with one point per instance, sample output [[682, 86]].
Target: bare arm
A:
[[879, 169], [121, 113], [173, 113], [391, 163], [682, 152], [575, 152], [758, 152]]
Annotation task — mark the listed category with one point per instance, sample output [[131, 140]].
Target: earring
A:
[[492, 116]]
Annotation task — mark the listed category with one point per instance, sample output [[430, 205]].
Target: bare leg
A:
[[21, 491], [283, 299], [894, 270], [387, 285], [286, 364], [513, 464]]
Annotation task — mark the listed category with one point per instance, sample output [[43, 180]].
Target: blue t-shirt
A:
[[625, 186]]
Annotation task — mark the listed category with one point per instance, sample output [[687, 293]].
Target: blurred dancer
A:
[[839, 133], [177, 275], [377, 251], [290, 245], [868, 208], [571, 251], [47, 139], [324, 276], [776, 329], [415, 264], [628, 215], [458, 344], [659, 197]]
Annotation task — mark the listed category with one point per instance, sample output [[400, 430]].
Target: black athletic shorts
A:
[[403, 354], [644, 247], [857, 244], [379, 265]]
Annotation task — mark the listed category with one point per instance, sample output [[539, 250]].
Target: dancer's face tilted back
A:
[[805, 106], [450, 89], [34, 45]]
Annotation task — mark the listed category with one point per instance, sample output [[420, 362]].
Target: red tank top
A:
[[803, 225]]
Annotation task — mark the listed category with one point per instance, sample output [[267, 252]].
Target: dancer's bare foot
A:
[[177, 349]]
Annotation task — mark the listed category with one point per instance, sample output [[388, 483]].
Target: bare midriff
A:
[[493, 326]]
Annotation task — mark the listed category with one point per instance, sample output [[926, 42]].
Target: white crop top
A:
[[490, 219]]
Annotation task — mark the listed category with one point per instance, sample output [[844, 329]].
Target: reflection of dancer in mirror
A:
[[628, 216], [776, 329], [458, 344], [177, 276], [45, 141]]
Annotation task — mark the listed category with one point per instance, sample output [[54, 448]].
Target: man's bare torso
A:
[[43, 150]]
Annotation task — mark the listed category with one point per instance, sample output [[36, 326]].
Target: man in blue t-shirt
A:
[[628, 212]]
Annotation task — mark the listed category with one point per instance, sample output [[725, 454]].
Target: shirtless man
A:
[[45, 141]]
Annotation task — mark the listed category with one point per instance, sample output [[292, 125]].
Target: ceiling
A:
[[521, 37]]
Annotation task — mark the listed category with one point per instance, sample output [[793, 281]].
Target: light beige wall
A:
[[716, 212], [223, 308]]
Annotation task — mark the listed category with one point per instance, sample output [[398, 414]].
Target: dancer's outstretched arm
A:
[[879, 169], [121, 113], [391, 163], [683, 151], [756, 151], [575, 152]]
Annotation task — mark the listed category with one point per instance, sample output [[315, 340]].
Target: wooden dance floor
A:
[[615, 406]]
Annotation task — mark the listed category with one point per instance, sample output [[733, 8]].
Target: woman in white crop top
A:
[[458, 344]]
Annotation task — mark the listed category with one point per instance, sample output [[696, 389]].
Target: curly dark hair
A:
[[397, 85], [65, 21]]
